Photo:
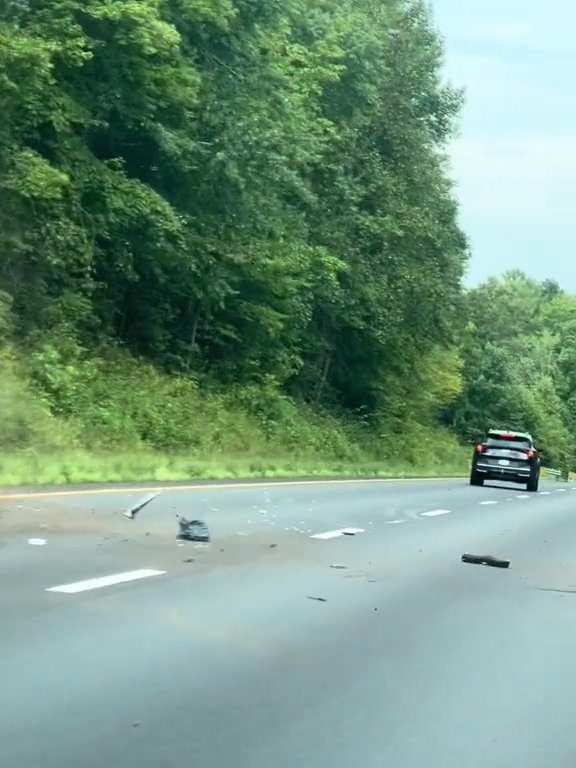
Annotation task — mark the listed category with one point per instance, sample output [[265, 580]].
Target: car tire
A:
[[476, 479], [532, 484]]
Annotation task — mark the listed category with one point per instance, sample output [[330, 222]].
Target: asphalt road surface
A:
[[154, 653]]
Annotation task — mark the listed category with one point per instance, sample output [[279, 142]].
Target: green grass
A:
[[30, 468], [116, 419]]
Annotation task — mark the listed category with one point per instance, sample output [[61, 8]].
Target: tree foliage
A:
[[249, 191], [519, 354]]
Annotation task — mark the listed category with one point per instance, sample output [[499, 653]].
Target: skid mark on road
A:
[[105, 581]]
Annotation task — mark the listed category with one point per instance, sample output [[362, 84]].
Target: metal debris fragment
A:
[[131, 512], [494, 562], [318, 599]]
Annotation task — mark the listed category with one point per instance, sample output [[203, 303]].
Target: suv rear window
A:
[[496, 440]]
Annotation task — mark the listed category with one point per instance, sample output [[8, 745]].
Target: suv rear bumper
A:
[[519, 474]]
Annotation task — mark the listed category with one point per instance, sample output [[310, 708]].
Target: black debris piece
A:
[[188, 560], [494, 562], [133, 511], [318, 599], [273, 546], [348, 533], [192, 530]]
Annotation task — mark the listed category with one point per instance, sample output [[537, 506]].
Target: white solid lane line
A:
[[337, 533], [488, 503], [436, 513], [105, 581]]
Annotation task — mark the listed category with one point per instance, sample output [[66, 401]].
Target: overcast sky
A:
[[515, 158]]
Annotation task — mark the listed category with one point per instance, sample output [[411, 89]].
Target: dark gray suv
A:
[[505, 455]]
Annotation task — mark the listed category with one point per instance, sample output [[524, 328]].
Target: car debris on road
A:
[[131, 512], [494, 562], [192, 530]]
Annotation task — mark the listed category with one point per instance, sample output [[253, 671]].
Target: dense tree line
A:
[[254, 195], [519, 364], [248, 189]]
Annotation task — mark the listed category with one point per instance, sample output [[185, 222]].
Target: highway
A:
[[121, 646]]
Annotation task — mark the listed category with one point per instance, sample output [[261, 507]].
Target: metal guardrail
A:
[[557, 474]]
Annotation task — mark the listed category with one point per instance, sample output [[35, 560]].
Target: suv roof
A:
[[510, 433]]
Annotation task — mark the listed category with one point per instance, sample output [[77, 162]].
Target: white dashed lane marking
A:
[[105, 581], [335, 534], [488, 503], [436, 513], [522, 496], [395, 522], [544, 493]]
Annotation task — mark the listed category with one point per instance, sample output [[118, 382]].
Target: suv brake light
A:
[[531, 454], [480, 448]]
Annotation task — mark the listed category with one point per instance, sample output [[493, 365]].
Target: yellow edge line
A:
[[215, 487]]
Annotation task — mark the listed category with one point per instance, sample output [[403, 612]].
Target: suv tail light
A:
[[531, 454], [480, 448]]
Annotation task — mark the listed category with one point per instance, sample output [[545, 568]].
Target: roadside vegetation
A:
[[229, 248]]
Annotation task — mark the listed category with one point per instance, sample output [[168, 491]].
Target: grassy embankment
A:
[[121, 420]]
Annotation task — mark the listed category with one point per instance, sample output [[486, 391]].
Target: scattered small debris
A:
[[133, 511], [37, 542], [192, 530], [340, 567], [273, 546], [349, 533], [263, 511], [375, 609], [189, 560], [221, 550], [318, 599], [494, 562], [148, 533], [136, 725]]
